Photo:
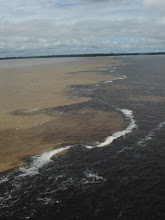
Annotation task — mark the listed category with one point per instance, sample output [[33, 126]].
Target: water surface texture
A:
[[34, 93], [102, 143]]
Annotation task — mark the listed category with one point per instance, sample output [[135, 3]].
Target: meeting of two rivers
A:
[[82, 138]]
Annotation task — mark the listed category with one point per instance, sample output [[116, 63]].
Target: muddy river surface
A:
[[82, 138]]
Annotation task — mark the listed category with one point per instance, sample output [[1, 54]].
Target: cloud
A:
[[155, 5], [74, 26]]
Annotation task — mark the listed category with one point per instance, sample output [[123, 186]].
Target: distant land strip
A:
[[83, 55]]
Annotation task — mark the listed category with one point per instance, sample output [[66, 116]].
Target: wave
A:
[[150, 135]]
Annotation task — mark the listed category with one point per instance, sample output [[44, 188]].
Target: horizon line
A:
[[81, 55]]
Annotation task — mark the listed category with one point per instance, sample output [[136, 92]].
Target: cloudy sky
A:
[[46, 27]]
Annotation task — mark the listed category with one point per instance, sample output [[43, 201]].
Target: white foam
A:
[[88, 147], [130, 127], [91, 177], [109, 69], [160, 125], [124, 77], [45, 158], [110, 81], [40, 161], [151, 134], [4, 179]]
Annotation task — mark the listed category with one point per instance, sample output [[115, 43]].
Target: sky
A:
[[57, 27]]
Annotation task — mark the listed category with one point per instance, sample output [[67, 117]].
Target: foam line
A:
[[110, 81], [40, 161], [130, 127], [151, 134], [45, 158]]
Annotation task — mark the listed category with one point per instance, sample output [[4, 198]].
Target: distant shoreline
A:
[[83, 55]]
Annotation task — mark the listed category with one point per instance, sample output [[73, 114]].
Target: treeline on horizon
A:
[[82, 55]]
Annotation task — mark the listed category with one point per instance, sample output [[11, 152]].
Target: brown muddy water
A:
[[28, 86]]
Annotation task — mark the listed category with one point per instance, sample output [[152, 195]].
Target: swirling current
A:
[[120, 178]]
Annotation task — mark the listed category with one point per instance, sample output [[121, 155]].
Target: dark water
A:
[[122, 181]]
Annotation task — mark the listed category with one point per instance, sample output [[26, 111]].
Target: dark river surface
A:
[[124, 180]]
